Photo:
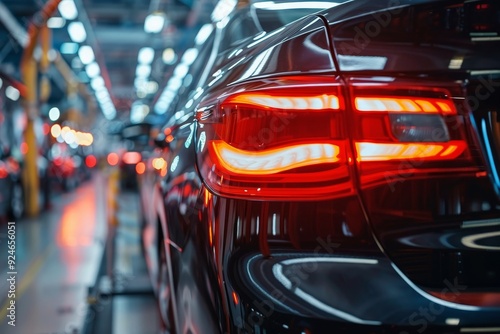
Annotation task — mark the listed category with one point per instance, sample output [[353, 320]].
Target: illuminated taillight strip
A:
[[274, 160], [316, 102], [398, 151], [406, 104]]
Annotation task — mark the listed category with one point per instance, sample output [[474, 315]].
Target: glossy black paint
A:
[[389, 257]]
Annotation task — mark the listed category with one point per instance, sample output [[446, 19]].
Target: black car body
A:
[[337, 175]]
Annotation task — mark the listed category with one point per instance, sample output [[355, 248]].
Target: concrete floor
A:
[[57, 260]]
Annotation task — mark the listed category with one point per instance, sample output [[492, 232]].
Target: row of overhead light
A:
[[222, 9], [181, 70], [78, 35], [154, 23]]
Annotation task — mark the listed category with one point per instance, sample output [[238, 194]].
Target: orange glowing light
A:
[[398, 151], [140, 168], [159, 163], [236, 300], [406, 104], [113, 159], [316, 102], [274, 160]]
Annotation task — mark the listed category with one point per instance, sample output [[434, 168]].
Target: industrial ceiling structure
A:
[[133, 45]]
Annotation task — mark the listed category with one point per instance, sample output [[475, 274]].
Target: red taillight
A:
[[405, 105], [401, 151], [300, 140], [267, 162], [113, 159], [286, 142], [90, 161], [279, 100], [131, 158], [404, 129], [3, 172]]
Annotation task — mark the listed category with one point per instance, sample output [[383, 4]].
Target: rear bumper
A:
[[312, 293]]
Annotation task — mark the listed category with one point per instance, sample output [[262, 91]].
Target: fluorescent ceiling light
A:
[[154, 22], [68, 9], [203, 33], [69, 48], [56, 22], [143, 70], [189, 56], [77, 32], [222, 9], [92, 70], [109, 113], [181, 71], [12, 93], [146, 55], [54, 114], [102, 95], [86, 54], [174, 83], [139, 82], [97, 83], [168, 56]]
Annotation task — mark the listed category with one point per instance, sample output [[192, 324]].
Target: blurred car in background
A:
[[11, 188], [63, 167], [336, 174]]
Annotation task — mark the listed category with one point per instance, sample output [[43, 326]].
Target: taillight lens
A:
[[286, 142], [402, 129], [300, 140]]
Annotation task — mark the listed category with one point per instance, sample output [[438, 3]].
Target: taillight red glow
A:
[[308, 103], [274, 160], [131, 158], [3, 172], [400, 151], [406, 104], [140, 168], [301, 140], [113, 159], [401, 126], [285, 142], [90, 161]]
